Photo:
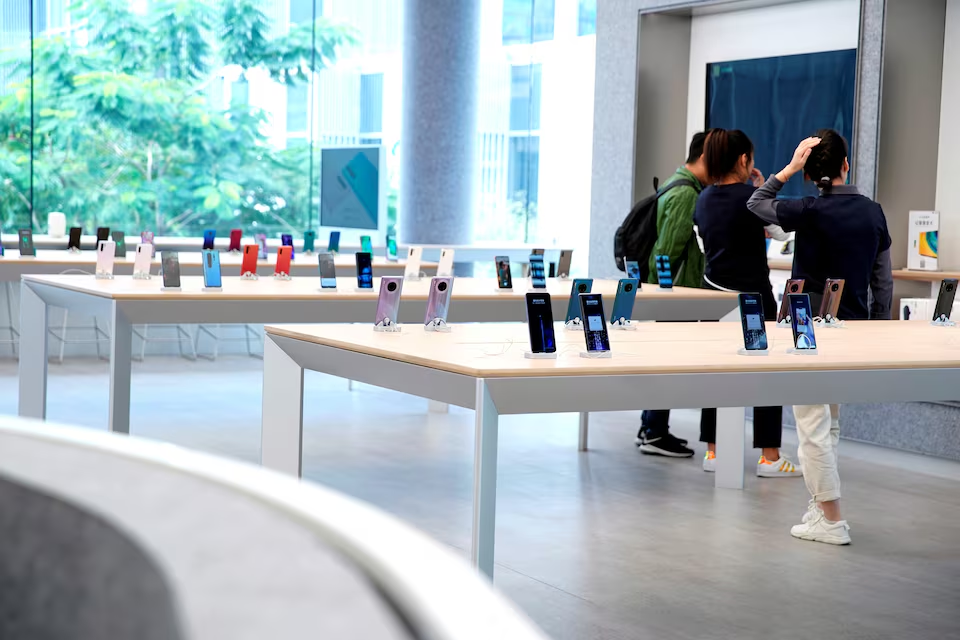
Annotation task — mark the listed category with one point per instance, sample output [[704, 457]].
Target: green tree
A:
[[127, 130]]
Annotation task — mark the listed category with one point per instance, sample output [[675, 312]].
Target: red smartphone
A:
[[284, 254], [235, 237], [250, 254]]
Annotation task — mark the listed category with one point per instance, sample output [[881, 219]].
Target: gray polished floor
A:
[[605, 544]]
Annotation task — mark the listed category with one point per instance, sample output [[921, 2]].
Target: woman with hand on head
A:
[[840, 234]]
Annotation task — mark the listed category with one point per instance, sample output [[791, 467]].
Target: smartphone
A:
[[626, 296], [261, 239], [751, 319], [412, 268], [388, 304], [364, 270], [26, 243], [74, 241], [632, 268], [309, 240], [793, 286], [803, 338], [286, 240], [103, 234], [366, 245], [141, 262], [146, 237], [236, 235], [284, 255], [580, 285], [170, 268], [211, 269], [208, 237], [563, 268], [105, 256], [119, 239], [537, 273], [328, 271], [537, 252], [948, 290], [540, 323], [594, 322], [392, 248], [552, 270], [832, 292], [439, 301], [445, 266], [251, 254], [333, 244], [504, 278], [664, 275]]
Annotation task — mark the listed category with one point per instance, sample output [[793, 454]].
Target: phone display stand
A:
[[829, 322], [386, 326], [249, 275], [234, 252], [530, 355], [363, 289], [786, 323], [328, 290], [306, 253], [573, 325], [622, 324], [74, 250], [802, 352], [504, 289], [212, 289], [141, 275], [943, 321], [596, 354], [104, 275], [563, 277], [282, 276], [170, 289], [415, 278], [438, 325], [665, 289], [752, 352]]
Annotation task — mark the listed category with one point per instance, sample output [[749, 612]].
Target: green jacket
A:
[[675, 236]]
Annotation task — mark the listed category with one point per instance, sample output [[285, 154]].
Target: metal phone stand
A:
[[212, 289], [438, 325], [74, 249], [386, 326], [623, 324], [170, 289], [104, 275], [141, 275], [573, 325], [786, 323], [802, 352], [943, 321], [530, 355], [415, 277], [665, 289], [249, 275], [829, 322], [596, 354], [752, 352], [504, 289], [282, 276]]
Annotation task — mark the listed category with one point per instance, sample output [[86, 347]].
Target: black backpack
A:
[[635, 238]]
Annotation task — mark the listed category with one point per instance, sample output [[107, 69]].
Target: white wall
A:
[[802, 27], [948, 165]]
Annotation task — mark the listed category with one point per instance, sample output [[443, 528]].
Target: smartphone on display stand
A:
[[948, 291], [103, 234], [804, 340], [504, 277], [333, 244], [284, 255], [538, 276], [793, 286], [170, 269], [364, 270], [540, 323], [445, 266], [632, 268], [563, 267], [328, 271], [261, 239], [366, 245], [392, 248], [623, 303], [832, 292], [286, 240], [438, 303], [594, 323], [142, 260], [146, 237], [236, 237], [73, 244], [105, 258], [751, 319], [580, 285], [120, 243], [309, 241], [411, 270], [664, 275], [26, 243], [388, 304], [248, 267], [552, 270], [208, 239], [211, 269]]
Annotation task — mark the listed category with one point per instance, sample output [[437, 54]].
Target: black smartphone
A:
[[803, 337], [594, 322], [751, 319], [552, 270], [540, 323], [103, 234], [538, 276], [793, 286], [328, 271], [170, 266], [504, 279], [74, 241], [26, 243], [364, 270], [948, 290], [120, 247]]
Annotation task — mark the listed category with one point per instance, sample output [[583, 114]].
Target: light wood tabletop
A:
[[496, 350], [924, 276]]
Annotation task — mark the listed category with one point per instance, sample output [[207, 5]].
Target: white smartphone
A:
[[141, 262], [412, 268], [445, 267], [105, 256]]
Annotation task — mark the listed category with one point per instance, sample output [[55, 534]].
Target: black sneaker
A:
[[665, 445], [641, 438]]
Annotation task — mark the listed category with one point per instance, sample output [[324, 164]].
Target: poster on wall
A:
[[923, 252], [350, 184]]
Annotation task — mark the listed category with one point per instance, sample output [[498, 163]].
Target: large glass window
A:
[[527, 21]]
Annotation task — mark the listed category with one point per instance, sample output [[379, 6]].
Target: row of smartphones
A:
[[540, 322], [755, 331], [662, 265], [829, 306], [538, 271], [438, 301]]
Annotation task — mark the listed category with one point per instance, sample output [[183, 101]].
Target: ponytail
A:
[[723, 149], [825, 163]]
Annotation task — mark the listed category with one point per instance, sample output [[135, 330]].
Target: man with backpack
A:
[[676, 203]]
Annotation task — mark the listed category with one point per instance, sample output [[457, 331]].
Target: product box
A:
[[922, 309], [924, 235]]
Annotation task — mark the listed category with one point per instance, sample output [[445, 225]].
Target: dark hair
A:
[[696, 146], [826, 159], [722, 151]]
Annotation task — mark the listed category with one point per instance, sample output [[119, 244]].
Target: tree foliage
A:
[[130, 130]]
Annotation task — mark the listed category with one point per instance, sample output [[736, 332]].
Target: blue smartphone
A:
[[538, 274], [439, 301], [286, 240], [803, 337], [580, 285], [594, 323], [211, 269], [392, 248], [333, 245], [664, 275], [328, 271], [751, 319], [364, 270], [633, 269], [623, 303], [309, 240], [540, 323], [208, 237], [366, 245]]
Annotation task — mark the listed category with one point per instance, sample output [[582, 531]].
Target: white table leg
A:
[[121, 346], [33, 354], [584, 430], [484, 481], [437, 407], [281, 425], [730, 447]]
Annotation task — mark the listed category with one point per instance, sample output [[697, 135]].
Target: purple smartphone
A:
[[389, 302], [439, 301]]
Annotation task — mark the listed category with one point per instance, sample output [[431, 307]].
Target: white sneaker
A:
[[710, 462], [813, 511], [781, 468], [817, 529]]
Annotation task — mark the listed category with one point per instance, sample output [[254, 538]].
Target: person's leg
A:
[[708, 434], [655, 437], [818, 455], [767, 436], [654, 423]]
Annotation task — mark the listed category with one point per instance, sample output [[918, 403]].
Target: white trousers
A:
[[818, 428]]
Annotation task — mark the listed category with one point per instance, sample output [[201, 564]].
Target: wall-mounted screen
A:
[[350, 187], [782, 100]]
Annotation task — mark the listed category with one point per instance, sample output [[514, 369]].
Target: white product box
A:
[[922, 254]]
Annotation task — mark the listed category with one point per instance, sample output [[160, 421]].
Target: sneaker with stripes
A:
[[781, 468]]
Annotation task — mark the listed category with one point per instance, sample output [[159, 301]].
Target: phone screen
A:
[[328, 271], [664, 275], [803, 337], [208, 237], [211, 269], [439, 301], [580, 285], [366, 245], [948, 291], [389, 302], [333, 245], [623, 303], [540, 323], [364, 270], [146, 237], [75, 233], [170, 265], [103, 233], [504, 279], [793, 286], [751, 319], [26, 243], [537, 273], [633, 269], [120, 250], [594, 324], [391, 248]]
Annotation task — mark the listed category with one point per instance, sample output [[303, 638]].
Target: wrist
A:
[[785, 174]]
